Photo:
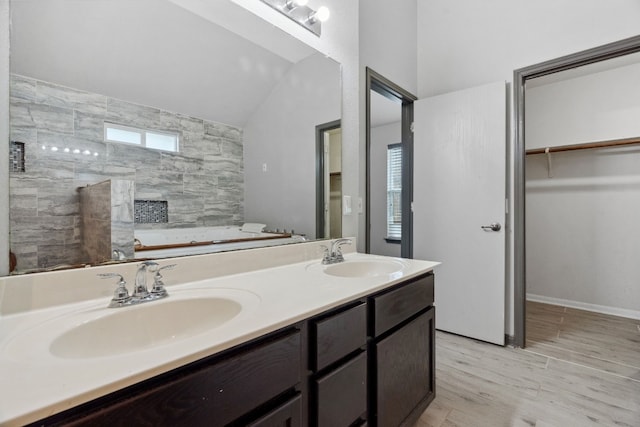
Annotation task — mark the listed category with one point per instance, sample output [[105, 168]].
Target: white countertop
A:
[[38, 384]]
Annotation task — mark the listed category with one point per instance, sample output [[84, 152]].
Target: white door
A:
[[459, 188]]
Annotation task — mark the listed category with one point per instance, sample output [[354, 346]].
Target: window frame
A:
[[143, 136]]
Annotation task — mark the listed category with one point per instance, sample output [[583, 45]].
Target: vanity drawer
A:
[[209, 393], [392, 307], [286, 415], [336, 336], [342, 394]]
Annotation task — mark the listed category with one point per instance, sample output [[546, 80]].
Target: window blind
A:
[[394, 191]]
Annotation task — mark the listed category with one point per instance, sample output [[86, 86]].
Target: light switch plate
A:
[[346, 205]]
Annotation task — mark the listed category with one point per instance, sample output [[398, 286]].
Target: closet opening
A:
[[577, 194]]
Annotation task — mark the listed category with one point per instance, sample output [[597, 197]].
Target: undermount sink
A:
[[144, 326], [364, 268]]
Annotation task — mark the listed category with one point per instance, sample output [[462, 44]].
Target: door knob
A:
[[493, 227]]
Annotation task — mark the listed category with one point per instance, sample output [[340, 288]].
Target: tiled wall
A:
[[203, 183]]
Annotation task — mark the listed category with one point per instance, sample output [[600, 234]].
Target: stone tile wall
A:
[[203, 183]]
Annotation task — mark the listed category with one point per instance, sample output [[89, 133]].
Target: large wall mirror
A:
[[162, 118]]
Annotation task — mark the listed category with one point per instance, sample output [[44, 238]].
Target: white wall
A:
[[583, 234], [381, 137], [467, 43], [284, 195], [388, 40], [596, 107]]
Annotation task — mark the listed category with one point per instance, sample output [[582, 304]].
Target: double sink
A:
[[90, 330]]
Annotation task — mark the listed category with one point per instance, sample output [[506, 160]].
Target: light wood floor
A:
[[578, 369]]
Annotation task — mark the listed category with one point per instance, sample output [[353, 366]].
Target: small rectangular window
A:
[[158, 140], [394, 192]]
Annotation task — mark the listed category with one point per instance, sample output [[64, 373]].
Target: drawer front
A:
[[242, 383], [287, 415], [211, 396], [397, 305], [339, 335], [342, 394]]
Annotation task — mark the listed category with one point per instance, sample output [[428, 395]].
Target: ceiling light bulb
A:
[[322, 14], [301, 2]]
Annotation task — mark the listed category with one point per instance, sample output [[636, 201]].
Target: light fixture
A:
[[298, 11], [292, 4], [322, 14]]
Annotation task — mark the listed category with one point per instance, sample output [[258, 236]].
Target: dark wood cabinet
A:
[[338, 334], [288, 414], [403, 349], [215, 391], [339, 366], [405, 372], [370, 362], [342, 394]]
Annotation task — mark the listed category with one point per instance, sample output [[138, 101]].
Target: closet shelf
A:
[[585, 146]]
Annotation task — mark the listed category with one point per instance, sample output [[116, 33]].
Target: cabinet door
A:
[[406, 371]]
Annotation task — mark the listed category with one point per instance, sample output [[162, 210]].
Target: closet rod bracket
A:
[[549, 166]]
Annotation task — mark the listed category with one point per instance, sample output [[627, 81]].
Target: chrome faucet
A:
[[334, 255], [140, 289], [141, 294]]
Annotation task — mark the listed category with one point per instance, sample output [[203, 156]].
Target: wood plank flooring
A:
[[578, 369]]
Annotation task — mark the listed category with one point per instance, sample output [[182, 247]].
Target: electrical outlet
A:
[[264, 167]]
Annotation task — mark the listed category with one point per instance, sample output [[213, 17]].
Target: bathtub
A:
[[203, 240]]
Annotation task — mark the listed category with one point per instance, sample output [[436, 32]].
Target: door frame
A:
[[520, 76], [388, 89], [320, 166]]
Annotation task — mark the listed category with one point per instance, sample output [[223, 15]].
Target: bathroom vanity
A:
[[341, 345]]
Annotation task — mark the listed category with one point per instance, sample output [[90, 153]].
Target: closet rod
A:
[[586, 146]]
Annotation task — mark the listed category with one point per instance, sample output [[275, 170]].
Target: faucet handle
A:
[[158, 285], [326, 257], [150, 265], [121, 294], [167, 267]]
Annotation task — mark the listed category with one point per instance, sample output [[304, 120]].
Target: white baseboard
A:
[[604, 309]]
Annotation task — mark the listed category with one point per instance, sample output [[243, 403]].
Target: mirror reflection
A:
[[139, 126]]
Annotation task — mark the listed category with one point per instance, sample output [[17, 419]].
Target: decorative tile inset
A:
[[151, 211], [16, 156]]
